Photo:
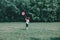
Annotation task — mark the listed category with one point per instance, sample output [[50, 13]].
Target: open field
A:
[[36, 31]]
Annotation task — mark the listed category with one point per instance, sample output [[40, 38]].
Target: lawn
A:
[[36, 31]]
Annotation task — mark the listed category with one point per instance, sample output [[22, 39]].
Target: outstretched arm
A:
[[25, 18]]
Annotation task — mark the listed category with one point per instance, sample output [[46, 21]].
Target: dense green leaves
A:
[[37, 10]]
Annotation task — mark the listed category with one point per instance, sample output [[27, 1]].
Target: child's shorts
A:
[[26, 25]]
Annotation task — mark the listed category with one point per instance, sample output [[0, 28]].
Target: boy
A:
[[27, 22]]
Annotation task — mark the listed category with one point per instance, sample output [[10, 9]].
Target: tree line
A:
[[37, 10]]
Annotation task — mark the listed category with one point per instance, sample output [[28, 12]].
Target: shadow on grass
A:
[[22, 29], [56, 38], [1, 39], [32, 38]]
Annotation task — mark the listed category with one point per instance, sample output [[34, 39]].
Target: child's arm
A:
[[25, 18], [29, 18]]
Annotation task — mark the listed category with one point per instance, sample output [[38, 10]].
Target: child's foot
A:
[[26, 28]]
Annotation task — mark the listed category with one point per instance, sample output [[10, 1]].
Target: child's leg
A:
[[26, 26]]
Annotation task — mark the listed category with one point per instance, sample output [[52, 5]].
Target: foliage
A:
[[37, 10]]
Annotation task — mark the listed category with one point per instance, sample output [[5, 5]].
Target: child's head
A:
[[27, 17]]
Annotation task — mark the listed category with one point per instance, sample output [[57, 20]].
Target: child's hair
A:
[[27, 17]]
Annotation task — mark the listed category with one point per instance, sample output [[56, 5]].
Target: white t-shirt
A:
[[27, 21]]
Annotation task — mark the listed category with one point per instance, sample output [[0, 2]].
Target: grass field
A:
[[36, 31]]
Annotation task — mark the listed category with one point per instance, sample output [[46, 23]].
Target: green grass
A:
[[36, 31]]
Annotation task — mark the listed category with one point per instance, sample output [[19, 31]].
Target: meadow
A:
[[36, 31]]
